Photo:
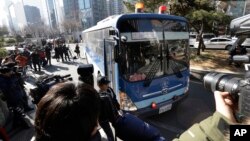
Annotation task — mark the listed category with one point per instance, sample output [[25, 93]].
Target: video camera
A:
[[238, 88], [43, 85]]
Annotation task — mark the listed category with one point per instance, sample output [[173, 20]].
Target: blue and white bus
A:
[[145, 56]]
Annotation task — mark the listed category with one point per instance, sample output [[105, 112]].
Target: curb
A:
[[196, 74]]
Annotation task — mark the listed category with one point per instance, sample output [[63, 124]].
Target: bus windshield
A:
[[154, 48]]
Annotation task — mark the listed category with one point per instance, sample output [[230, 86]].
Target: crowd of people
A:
[[77, 112], [64, 114], [36, 57], [13, 94]]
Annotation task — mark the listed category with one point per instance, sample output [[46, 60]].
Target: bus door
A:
[[109, 63]]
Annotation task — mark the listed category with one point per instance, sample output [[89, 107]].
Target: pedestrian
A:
[[57, 53], [77, 50], [42, 55], [27, 54], [36, 60], [22, 62], [66, 53], [48, 53], [104, 89], [60, 52]]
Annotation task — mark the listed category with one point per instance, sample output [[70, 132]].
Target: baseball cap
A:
[[102, 80]]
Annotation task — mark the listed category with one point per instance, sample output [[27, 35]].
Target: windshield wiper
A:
[[176, 68], [151, 74]]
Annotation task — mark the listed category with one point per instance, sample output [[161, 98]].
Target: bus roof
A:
[[112, 21]]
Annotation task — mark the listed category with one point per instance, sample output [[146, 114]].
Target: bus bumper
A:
[[148, 111]]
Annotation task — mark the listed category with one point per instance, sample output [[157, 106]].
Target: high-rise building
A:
[[32, 14], [59, 13], [52, 13], [114, 7], [118, 7], [17, 16], [71, 9], [92, 11]]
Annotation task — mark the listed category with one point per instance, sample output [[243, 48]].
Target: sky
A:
[[2, 12], [38, 3]]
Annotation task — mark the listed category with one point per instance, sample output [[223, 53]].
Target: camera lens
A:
[[221, 82]]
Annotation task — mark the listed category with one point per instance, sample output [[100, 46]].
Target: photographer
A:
[[215, 127], [14, 94]]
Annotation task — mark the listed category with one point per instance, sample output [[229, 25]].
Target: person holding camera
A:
[[15, 95], [215, 127], [69, 112]]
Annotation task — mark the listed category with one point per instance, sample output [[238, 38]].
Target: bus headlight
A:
[[126, 103]]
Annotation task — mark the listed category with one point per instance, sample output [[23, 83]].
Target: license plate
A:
[[165, 108]]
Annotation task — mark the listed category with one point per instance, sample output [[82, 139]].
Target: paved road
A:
[[198, 105]]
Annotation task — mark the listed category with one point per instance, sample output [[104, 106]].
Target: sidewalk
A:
[[197, 73], [212, 61]]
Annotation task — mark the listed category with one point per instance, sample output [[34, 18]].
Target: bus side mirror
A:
[[116, 54]]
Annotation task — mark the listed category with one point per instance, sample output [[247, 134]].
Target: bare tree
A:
[[71, 25]]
